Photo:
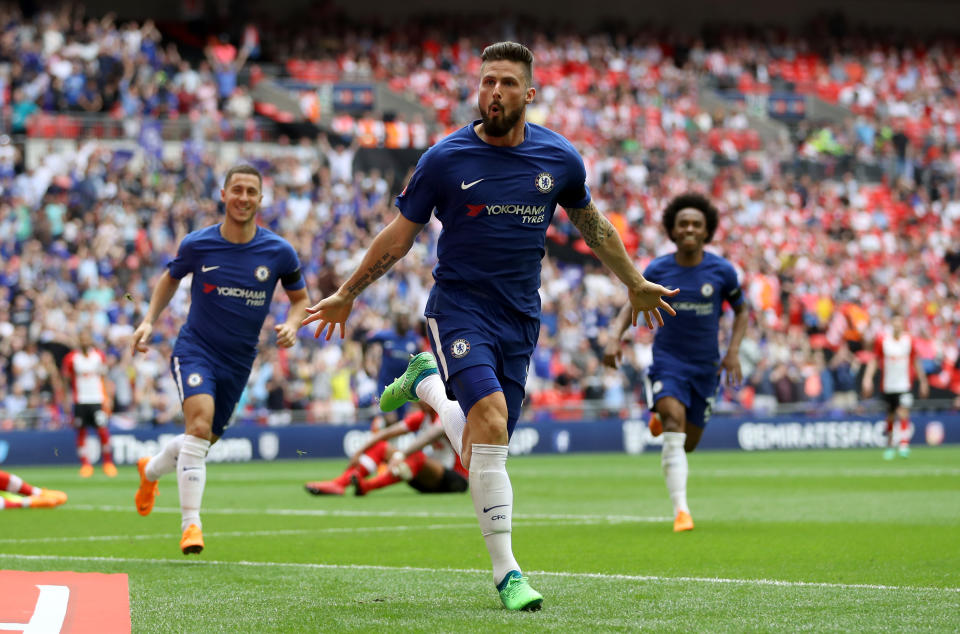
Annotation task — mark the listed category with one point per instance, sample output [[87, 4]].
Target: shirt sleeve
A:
[[67, 366], [651, 272], [576, 194], [731, 286], [183, 263], [290, 275], [419, 198], [414, 420]]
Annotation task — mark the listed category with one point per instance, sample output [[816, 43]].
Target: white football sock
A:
[[493, 503], [191, 478], [673, 460], [165, 461], [432, 391], [14, 484]]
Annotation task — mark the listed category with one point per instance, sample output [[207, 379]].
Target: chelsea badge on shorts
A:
[[544, 182], [194, 380], [460, 348]]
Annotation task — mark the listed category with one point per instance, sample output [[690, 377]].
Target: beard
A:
[[503, 124]]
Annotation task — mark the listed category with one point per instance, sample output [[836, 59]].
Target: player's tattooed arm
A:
[[371, 274], [593, 225]]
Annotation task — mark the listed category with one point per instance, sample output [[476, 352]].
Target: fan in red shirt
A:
[[84, 370], [895, 353]]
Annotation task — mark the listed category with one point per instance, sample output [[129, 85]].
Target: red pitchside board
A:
[[64, 602]]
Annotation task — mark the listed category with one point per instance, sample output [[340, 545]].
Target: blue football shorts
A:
[[196, 373], [481, 347], [697, 392]]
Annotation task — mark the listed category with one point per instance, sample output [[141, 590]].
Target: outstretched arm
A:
[[731, 361], [392, 243], [394, 430], [163, 292], [602, 238], [921, 377], [619, 325], [868, 378], [427, 437], [287, 331]]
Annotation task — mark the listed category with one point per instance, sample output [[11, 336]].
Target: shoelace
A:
[[514, 585]]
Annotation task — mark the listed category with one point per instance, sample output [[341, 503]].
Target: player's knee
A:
[[487, 424], [673, 424], [200, 427]]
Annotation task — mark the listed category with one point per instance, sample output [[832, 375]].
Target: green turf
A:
[[791, 541]]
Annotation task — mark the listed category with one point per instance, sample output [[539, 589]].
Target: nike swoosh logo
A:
[[206, 269], [469, 185], [486, 509], [196, 468]]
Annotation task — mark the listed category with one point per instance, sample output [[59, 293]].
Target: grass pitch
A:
[[791, 541]]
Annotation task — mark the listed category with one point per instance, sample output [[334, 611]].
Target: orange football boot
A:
[[655, 424], [147, 493], [57, 497], [683, 522], [192, 541]]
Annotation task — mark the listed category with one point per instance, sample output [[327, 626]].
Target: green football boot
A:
[[516, 593], [404, 387]]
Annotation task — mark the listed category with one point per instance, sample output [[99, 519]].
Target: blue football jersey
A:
[[495, 204], [397, 349], [691, 338], [232, 288]]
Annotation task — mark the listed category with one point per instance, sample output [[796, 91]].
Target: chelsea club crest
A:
[[544, 182], [460, 348]]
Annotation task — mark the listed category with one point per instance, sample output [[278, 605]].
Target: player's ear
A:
[[531, 93]]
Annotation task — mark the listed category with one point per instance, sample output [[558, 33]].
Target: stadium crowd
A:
[[825, 256]]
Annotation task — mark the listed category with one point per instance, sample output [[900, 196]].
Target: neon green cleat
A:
[[516, 593], [404, 387]]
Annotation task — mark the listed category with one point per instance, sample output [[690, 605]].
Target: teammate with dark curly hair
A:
[[687, 365], [691, 201]]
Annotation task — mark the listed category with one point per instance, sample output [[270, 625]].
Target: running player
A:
[[687, 365], [85, 370], [895, 353], [439, 472], [397, 345], [495, 185], [15, 493], [235, 267]]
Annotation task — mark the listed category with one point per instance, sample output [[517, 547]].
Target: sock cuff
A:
[[490, 450], [194, 446], [491, 458], [674, 438]]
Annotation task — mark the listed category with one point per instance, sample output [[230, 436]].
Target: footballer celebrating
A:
[[686, 357], [494, 185], [235, 266]]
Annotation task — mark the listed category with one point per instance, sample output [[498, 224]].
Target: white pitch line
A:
[[562, 574], [276, 533], [383, 514], [773, 472], [273, 533]]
